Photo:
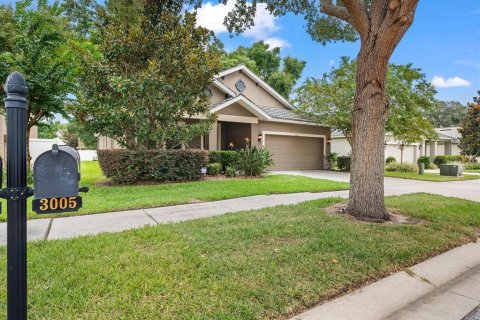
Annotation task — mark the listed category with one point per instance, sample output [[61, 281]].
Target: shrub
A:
[[390, 160], [130, 166], [344, 163], [226, 158], [230, 172], [213, 169], [446, 159], [405, 167], [472, 166], [254, 161], [426, 161], [333, 159]]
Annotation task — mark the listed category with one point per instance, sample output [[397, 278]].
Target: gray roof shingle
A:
[[284, 114]]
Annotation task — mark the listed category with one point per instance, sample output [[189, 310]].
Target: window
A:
[[240, 85]]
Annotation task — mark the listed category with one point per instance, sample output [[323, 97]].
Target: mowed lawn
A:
[[265, 264], [427, 176], [106, 198]]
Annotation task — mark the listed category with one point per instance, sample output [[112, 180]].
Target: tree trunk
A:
[[369, 118]]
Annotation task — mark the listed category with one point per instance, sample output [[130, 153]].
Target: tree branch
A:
[[327, 7], [360, 19]]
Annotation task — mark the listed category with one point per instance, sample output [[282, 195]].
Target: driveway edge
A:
[[391, 294]]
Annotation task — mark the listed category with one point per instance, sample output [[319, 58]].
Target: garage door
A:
[[295, 153]]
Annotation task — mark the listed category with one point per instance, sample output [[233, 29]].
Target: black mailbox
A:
[[56, 176]]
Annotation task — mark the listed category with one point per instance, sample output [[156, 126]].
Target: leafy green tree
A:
[[447, 114], [329, 101], [82, 15], [49, 129], [470, 129], [35, 41], [379, 25], [148, 76], [280, 74], [72, 133]]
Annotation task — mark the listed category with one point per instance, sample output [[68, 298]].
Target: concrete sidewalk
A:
[[446, 287], [464, 189], [69, 227]]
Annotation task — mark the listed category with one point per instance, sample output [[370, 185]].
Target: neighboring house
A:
[[250, 110], [3, 135], [445, 144]]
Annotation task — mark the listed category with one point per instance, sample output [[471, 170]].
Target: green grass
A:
[[104, 198], [472, 170], [264, 264], [427, 176]]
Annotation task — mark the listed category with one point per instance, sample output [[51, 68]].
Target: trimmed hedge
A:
[[472, 166], [130, 166], [213, 169], [426, 161], [446, 159], [226, 158], [343, 163], [390, 160]]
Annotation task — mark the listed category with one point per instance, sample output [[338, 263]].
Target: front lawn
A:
[[427, 176], [472, 170], [264, 264], [104, 198]]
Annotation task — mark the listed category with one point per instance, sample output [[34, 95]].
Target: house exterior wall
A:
[[217, 94], [236, 110], [254, 92]]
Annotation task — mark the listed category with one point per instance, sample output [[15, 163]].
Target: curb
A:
[[391, 294]]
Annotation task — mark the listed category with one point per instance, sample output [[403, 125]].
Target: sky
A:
[[444, 41]]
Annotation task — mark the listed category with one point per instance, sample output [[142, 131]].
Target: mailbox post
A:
[[16, 194]]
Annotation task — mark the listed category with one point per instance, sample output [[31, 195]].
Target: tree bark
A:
[[369, 118]]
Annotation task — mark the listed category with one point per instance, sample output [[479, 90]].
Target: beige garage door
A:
[[295, 153]]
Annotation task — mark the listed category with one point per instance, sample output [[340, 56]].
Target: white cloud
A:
[[441, 82], [277, 43], [211, 16], [470, 63]]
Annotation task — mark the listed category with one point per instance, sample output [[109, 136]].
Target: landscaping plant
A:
[[344, 163], [401, 167], [254, 161], [426, 161], [213, 169], [390, 160]]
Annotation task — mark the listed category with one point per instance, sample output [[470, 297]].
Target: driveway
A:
[[466, 189]]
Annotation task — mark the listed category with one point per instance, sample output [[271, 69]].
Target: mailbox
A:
[[56, 177]]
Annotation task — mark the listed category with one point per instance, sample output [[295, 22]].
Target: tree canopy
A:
[[148, 76], [280, 74], [35, 41], [447, 114], [329, 100], [470, 129]]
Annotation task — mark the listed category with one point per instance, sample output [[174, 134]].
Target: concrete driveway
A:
[[466, 189]]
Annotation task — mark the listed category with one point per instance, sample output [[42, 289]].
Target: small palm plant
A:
[[254, 161]]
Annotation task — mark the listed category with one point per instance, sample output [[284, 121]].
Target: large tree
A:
[[148, 76], [329, 101], [470, 129], [35, 41], [280, 74], [447, 114], [379, 25]]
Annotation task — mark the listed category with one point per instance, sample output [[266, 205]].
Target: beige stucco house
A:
[[446, 143], [250, 110]]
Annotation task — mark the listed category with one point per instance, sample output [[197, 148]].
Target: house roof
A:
[[257, 79], [450, 133], [223, 88], [283, 114], [244, 102]]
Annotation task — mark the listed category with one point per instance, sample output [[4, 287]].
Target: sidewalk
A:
[[70, 227], [445, 287]]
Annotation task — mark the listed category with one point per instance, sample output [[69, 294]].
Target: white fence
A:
[[38, 146]]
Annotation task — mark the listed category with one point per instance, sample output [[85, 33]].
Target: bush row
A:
[[446, 159], [226, 158], [397, 167], [130, 166]]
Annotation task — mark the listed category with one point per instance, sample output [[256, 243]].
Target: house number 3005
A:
[[58, 203]]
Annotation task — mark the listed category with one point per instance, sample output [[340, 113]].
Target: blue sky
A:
[[444, 41]]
